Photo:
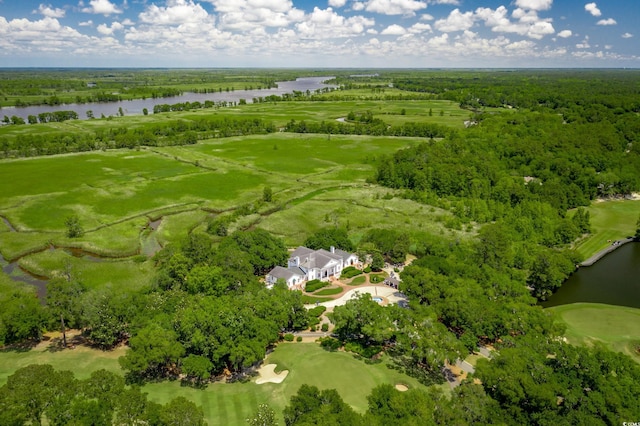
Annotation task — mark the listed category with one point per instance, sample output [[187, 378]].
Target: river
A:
[[613, 280], [136, 106]]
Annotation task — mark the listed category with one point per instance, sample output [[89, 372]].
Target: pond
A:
[[136, 106], [613, 280]]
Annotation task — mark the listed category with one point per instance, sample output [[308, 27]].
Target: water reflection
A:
[[136, 106], [613, 280]]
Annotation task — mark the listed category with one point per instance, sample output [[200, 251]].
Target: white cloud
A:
[[358, 6], [106, 30], [456, 21], [179, 12], [528, 22], [247, 15], [584, 44], [609, 21], [627, 35], [452, 2], [395, 7], [394, 29], [420, 28], [101, 7], [592, 8], [565, 33], [337, 3], [426, 17], [88, 23], [534, 4], [50, 12], [325, 24]]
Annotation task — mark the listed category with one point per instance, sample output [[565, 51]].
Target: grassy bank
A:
[[610, 220]]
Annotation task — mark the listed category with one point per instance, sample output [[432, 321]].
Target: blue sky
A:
[[320, 33]]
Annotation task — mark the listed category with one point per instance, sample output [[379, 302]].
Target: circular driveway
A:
[[391, 294]]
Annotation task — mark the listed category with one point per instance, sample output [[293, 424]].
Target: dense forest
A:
[[540, 146]]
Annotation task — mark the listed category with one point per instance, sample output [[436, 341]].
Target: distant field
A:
[[618, 327], [610, 221], [231, 404]]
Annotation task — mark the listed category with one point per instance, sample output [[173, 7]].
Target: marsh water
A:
[[613, 280], [136, 106], [12, 268]]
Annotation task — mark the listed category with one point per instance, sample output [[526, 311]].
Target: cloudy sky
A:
[[320, 33]]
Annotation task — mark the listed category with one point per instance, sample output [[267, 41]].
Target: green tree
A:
[[265, 251], [181, 412], [33, 389], [330, 237], [377, 261], [64, 303], [311, 406], [74, 229], [267, 194], [154, 352], [22, 316], [197, 367]]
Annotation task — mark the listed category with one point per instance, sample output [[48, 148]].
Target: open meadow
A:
[[134, 201]]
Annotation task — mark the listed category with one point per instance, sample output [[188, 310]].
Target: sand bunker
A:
[[268, 375], [402, 388]]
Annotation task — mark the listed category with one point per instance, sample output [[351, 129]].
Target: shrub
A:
[[314, 285], [325, 327], [288, 337], [317, 311], [364, 351], [299, 339], [367, 269], [313, 322], [350, 272], [330, 343]]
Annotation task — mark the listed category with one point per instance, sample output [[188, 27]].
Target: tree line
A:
[[170, 132]]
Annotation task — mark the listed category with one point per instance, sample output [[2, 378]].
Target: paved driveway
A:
[[391, 294]]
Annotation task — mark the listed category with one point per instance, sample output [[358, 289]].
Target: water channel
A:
[[613, 280], [136, 106]]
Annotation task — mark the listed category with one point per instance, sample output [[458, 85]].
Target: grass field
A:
[[618, 327], [316, 182], [231, 404], [610, 221]]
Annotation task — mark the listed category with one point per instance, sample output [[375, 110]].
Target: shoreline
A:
[[605, 251]]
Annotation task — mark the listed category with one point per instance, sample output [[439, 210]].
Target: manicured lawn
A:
[[616, 326], [231, 404], [328, 291], [377, 278], [610, 221], [82, 361], [358, 280]]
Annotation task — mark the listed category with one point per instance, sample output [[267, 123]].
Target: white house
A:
[[305, 265]]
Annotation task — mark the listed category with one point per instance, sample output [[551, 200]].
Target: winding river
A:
[[136, 106]]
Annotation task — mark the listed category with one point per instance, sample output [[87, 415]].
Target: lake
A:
[[613, 280], [135, 106]]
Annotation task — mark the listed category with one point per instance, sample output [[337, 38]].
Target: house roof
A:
[[322, 258], [286, 273]]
